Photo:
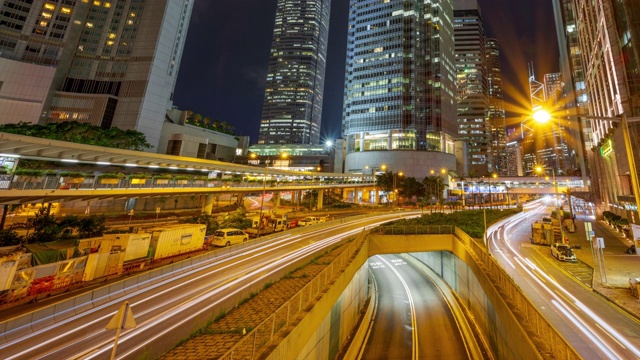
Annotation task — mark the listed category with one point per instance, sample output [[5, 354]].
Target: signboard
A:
[[599, 243], [635, 235], [606, 148]]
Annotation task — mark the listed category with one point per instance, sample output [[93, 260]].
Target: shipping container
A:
[[135, 246], [177, 239]]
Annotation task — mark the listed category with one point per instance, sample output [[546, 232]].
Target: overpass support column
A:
[[377, 195], [320, 200], [517, 200], [207, 206], [356, 197], [276, 200], [366, 196]]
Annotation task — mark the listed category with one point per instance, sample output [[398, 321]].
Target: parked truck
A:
[[275, 224], [542, 233]]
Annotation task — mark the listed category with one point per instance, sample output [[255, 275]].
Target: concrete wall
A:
[[513, 327]]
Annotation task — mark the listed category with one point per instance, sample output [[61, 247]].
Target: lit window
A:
[[49, 6]]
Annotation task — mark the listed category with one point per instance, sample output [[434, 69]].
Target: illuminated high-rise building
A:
[[600, 39], [292, 108], [473, 94], [108, 63], [399, 97], [497, 120]]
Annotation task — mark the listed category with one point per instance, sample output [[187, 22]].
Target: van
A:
[[226, 237]]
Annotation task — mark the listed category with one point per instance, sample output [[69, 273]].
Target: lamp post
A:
[[395, 191], [264, 185]]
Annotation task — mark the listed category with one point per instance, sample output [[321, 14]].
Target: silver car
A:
[[562, 252]]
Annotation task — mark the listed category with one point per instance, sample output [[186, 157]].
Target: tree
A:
[[92, 226], [8, 237], [384, 181], [410, 187], [45, 227]]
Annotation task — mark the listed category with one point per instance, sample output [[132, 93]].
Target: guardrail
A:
[[414, 230], [54, 182]]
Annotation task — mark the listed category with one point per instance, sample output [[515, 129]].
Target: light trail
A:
[[603, 335]]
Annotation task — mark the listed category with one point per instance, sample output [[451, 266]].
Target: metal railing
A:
[[414, 230]]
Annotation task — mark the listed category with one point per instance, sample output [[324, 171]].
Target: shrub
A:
[[111, 176]]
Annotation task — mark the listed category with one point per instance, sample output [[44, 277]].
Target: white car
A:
[[226, 237], [562, 252]]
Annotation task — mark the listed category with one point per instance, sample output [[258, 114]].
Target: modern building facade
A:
[[399, 97], [108, 63], [472, 86], [497, 118], [292, 108], [607, 43]]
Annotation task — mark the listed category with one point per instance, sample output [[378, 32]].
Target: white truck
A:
[[311, 220], [273, 225]]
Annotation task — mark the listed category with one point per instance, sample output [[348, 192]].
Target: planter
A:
[[162, 181], [138, 181], [182, 182], [109, 181], [73, 180], [199, 182]]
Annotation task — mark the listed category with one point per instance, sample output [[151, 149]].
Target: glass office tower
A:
[[292, 107], [399, 101]]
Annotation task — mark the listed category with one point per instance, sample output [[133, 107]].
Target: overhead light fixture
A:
[[103, 163], [131, 165], [10, 155], [173, 167], [154, 166], [190, 169], [69, 160]]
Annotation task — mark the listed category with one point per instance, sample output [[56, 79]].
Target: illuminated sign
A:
[[606, 148]]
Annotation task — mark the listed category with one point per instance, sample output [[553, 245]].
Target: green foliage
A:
[[73, 174], [207, 123], [182, 177], [470, 221], [237, 220], [81, 133], [209, 220], [163, 176], [44, 226], [92, 226], [8, 237], [29, 172]]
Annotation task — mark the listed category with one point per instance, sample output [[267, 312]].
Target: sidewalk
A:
[[618, 265]]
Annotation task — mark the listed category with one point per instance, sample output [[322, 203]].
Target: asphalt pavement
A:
[[611, 276]]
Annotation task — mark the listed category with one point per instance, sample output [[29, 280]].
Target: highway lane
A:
[[412, 320], [592, 325], [166, 310]]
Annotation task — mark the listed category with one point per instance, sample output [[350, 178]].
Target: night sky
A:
[[224, 65]]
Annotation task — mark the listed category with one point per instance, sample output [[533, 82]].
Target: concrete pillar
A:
[[377, 195], [276, 200], [356, 196], [366, 196], [517, 199], [207, 206], [320, 200]]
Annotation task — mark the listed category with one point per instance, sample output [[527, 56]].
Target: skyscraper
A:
[[108, 63], [601, 45], [473, 93], [497, 119], [399, 103], [292, 108]]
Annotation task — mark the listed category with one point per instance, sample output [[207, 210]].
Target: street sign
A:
[[123, 319], [600, 243]]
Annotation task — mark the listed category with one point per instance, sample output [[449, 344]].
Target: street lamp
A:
[[264, 184], [395, 191]]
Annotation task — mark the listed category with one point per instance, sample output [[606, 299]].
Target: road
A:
[[166, 310], [592, 325], [413, 320]]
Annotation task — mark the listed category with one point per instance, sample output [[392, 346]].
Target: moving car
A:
[[229, 236], [562, 252]]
